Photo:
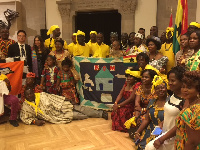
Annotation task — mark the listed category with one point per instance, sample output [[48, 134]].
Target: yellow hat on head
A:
[[157, 80], [52, 28], [74, 34], [152, 68], [93, 32], [195, 24], [3, 77], [79, 32], [170, 29], [133, 73]]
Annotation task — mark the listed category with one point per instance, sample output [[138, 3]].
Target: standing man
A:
[[100, 49], [81, 48], [50, 42], [20, 49], [71, 45], [5, 42]]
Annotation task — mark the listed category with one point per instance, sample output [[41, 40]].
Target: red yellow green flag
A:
[[181, 24]]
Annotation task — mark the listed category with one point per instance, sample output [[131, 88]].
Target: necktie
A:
[[22, 50]]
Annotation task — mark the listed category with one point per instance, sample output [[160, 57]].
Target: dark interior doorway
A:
[[101, 21]]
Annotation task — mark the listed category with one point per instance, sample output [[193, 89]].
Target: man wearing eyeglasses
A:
[[20, 49]]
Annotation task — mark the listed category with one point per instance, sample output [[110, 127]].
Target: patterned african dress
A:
[[193, 62], [190, 117], [67, 85], [123, 113], [158, 64], [156, 115], [4, 46], [50, 76]]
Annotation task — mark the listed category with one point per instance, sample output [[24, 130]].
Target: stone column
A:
[[127, 10], [64, 8]]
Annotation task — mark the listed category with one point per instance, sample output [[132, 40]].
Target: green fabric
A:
[[104, 74]]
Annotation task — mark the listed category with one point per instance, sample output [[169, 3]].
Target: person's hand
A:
[[157, 143], [137, 136], [39, 122], [162, 70], [46, 66], [115, 107], [160, 124]]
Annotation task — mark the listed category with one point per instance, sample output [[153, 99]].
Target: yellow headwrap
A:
[[157, 80], [79, 32], [36, 104], [94, 32], [133, 73], [52, 28], [170, 29], [3, 77], [130, 122], [163, 76], [74, 33], [195, 24]]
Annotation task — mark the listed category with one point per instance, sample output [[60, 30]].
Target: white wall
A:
[[145, 15], [198, 12], [52, 14]]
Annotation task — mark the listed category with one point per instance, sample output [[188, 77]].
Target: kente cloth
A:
[[183, 57], [100, 51], [79, 50], [4, 46], [188, 117], [193, 63], [167, 50], [50, 44], [54, 109], [124, 113], [101, 79]]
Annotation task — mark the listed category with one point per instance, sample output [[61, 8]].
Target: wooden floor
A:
[[89, 134]]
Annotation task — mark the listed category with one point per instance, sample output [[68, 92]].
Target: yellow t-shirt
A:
[[71, 47], [167, 50], [90, 45], [80, 50], [100, 50], [49, 43]]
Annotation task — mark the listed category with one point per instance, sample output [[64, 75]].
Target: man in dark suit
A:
[[20, 49]]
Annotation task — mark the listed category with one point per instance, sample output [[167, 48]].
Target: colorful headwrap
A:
[[30, 75], [52, 28], [157, 80], [139, 35], [113, 34], [74, 34], [93, 32], [133, 73], [163, 76], [3, 77], [195, 24], [170, 29]]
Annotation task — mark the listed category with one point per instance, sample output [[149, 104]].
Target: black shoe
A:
[[105, 115], [14, 123]]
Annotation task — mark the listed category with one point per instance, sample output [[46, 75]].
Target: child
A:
[[116, 52], [49, 75], [30, 82], [66, 82]]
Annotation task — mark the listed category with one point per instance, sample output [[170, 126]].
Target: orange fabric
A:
[[14, 75]]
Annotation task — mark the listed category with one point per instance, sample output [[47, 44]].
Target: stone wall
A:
[[164, 11]]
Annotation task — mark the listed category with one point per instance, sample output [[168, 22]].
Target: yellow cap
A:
[[195, 24], [93, 32], [52, 28], [133, 73]]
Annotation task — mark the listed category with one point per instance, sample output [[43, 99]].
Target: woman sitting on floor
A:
[[155, 113], [123, 110]]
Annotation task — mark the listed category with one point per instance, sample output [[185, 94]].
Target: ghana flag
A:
[[181, 24]]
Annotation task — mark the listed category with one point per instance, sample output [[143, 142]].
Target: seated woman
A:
[[186, 131], [155, 113], [123, 110], [143, 93], [171, 109], [41, 107], [30, 82], [10, 100], [193, 63], [157, 60]]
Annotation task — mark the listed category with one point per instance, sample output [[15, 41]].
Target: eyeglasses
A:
[[21, 35]]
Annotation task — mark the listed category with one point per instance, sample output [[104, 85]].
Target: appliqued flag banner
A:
[[14, 72], [101, 80]]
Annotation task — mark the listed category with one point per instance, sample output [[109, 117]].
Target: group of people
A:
[[162, 88]]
